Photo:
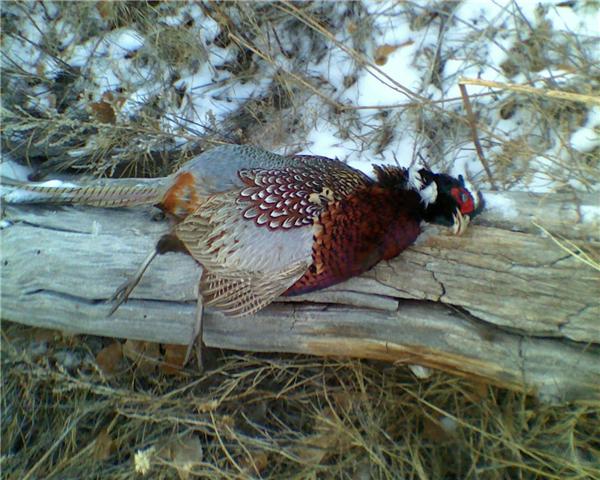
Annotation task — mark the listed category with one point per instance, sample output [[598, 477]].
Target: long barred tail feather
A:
[[100, 193]]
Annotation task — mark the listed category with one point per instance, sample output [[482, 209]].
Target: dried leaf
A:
[[104, 112], [255, 463], [173, 360], [56, 337], [104, 8], [343, 401], [45, 334], [477, 391], [316, 448], [432, 430], [145, 355], [384, 51], [133, 349], [109, 357], [103, 446], [114, 98], [441, 429]]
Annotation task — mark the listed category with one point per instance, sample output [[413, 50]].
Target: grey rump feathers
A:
[[215, 171], [99, 193]]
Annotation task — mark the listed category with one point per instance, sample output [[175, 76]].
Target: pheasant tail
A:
[[100, 193]]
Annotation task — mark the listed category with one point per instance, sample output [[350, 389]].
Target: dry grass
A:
[[278, 416], [274, 44], [272, 416]]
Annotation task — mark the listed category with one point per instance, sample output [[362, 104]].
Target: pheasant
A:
[[264, 225]]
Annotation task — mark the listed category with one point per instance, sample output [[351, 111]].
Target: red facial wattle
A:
[[464, 199]]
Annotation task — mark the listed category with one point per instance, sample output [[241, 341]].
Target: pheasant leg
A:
[[167, 243], [122, 293], [197, 334]]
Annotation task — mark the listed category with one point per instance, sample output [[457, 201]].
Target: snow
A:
[[476, 40], [500, 205], [323, 139], [127, 40], [56, 184], [587, 138], [485, 62], [13, 170], [81, 53], [404, 65], [590, 213], [583, 18]]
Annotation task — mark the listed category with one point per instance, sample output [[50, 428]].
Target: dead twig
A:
[[473, 126], [542, 92]]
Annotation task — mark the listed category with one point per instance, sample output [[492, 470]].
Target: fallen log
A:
[[514, 302]]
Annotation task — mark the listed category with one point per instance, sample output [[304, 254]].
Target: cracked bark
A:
[[503, 303], [442, 288]]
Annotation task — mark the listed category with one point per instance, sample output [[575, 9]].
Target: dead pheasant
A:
[[264, 225]]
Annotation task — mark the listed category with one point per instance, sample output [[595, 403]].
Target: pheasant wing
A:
[[245, 265], [245, 293]]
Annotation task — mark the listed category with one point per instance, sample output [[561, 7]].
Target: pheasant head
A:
[[448, 201], [444, 200]]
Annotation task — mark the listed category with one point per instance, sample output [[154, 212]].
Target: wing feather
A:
[[246, 266]]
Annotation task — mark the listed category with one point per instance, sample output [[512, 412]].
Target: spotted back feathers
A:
[[293, 197]]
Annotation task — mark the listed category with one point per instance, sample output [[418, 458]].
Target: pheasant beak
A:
[[460, 224]]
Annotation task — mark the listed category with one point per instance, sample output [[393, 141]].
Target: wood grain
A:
[[503, 303]]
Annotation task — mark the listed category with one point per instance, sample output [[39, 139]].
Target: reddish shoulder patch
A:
[[181, 199]]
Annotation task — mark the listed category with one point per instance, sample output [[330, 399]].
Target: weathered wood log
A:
[[503, 303]]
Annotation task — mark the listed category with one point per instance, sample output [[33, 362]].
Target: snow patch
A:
[[14, 171], [128, 40], [502, 206], [590, 213], [56, 184], [587, 138], [322, 140], [477, 40]]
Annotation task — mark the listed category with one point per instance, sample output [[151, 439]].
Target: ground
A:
[[136, 88]]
